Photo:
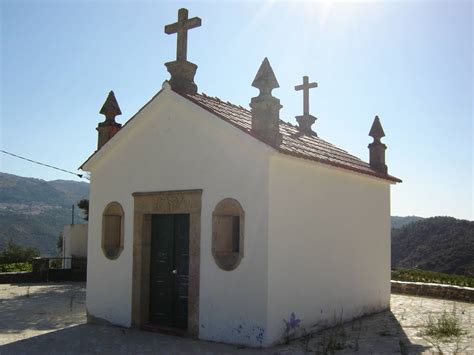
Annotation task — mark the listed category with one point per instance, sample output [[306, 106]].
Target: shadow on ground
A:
[[380, 333], [50, 318], [40, 307], [95, 339], [89, 338]]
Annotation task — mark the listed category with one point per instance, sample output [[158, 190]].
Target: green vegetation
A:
[[15, 267], [416, 275], [445, 326], [17, 254], [84, 206], [444, 329], [440, 244], [15, 258]]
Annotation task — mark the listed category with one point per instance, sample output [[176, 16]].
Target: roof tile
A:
[[294, 143]]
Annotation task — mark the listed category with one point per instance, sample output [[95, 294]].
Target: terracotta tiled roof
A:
[[293, 143]]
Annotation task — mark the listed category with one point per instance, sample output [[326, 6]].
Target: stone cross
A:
[[305, 87], [181, 28]]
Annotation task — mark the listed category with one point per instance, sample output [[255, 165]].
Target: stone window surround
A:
[[164, 202], [111, 206], [228, 207]]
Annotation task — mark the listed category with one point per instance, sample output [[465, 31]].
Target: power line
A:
[[43, 164]]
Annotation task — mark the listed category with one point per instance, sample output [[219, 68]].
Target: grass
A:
[[444, 331], [446, 326], [416, 275]]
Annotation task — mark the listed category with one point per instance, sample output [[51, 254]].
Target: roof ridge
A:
[[304, 146], [281, 120]]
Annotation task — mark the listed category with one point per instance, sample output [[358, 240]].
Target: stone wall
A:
[[39, 273], [15, 277], [43, 273], [448, 292]]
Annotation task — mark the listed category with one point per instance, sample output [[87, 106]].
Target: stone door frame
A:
[[164, 202]]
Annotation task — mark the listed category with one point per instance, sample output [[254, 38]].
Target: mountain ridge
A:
[[33, 212], [440, 244]]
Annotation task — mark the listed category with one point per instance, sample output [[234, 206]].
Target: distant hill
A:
[[441, 244], [33, 212], [399, 222]]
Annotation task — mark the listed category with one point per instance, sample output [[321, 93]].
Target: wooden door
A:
[[169, 270]]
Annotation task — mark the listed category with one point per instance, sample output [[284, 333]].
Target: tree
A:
[[84, 206], [14, 253]]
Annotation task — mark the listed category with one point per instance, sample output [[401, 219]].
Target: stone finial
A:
[[265, 108], [182, 72], [306, 120], [111, 108], [109, 127], [376, 131], [265, 79], [377, 148]]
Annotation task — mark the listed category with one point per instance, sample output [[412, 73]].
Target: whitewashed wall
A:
[[74, 242], [329, 244], [175, 145]]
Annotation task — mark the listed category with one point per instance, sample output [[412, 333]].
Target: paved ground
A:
[[50, 318]]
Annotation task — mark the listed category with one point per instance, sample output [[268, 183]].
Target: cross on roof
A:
[[181, 28], [305, 87]]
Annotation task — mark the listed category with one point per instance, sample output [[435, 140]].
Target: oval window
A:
[[112, 230], [228, 221]]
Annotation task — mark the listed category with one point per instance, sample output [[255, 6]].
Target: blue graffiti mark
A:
[[260, 334], [238, 329], [291, 326], [294, 323]]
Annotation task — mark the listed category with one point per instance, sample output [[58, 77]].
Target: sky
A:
[[410, 62]]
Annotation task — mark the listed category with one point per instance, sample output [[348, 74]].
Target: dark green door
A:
[[169, 270]]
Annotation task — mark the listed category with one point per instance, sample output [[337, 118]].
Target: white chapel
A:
[[228, 224]]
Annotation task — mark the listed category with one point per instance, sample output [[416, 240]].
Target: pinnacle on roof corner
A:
[[109, 127], [265, 108], [110, 108], [377, 148], [265, 79], [376, 131]]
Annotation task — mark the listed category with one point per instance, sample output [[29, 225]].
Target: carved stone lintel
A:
[[169, 203], [182, 76]]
